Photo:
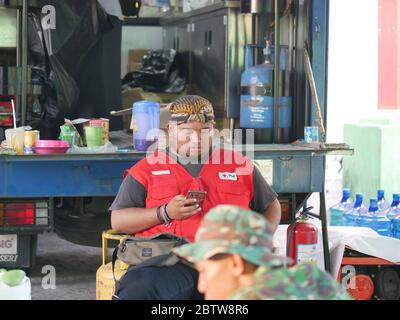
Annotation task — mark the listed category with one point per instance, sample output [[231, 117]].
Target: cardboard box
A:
[[136, 55], [135, 59], [134, 66], [130, 96]]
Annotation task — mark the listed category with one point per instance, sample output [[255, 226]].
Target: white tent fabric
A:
[[363, 240]]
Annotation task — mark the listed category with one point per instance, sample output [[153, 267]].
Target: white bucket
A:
[[21, 292]]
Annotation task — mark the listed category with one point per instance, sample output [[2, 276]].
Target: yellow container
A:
[[105, 284], [31, 137]]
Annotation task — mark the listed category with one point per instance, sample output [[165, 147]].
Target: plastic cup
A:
[[105, 123], [94, 136], [69, 137], [311, 134], [16, 140], [31, 137]]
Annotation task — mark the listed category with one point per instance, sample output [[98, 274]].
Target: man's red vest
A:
[[230, 181]]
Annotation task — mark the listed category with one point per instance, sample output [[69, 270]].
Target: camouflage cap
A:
[[233, 230], [191, 109]]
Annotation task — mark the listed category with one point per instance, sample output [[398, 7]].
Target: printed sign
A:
[[8, 244]]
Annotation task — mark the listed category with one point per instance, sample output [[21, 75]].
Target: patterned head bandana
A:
[[192, 109]]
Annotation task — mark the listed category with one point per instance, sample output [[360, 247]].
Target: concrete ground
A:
[[76, 266]]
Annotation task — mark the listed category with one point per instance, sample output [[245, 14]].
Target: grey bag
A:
[[155, 251], [137, 250]]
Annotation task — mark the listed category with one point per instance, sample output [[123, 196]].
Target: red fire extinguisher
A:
[[302, 240]]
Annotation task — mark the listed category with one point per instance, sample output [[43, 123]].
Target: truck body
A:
[[71, 193]]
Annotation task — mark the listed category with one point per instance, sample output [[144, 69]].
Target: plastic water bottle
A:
[[365, 218], [383, 205], [382, 223], [394, 210], [396, 227], [337, 211], [351, 216], [376, 220]]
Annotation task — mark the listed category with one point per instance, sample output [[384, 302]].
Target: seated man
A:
[[152, 198], [233, 254]]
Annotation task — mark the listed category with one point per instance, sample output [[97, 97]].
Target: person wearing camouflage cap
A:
[[154, 197], [233, 252]]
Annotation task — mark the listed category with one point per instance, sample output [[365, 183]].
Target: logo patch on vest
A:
[[228, 176], [161, 173]]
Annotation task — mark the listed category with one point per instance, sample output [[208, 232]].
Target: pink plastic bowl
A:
[[51, 147]]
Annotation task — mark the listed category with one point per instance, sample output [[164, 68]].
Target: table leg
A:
[[325, 236]]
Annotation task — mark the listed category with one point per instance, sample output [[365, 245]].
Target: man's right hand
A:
[[180, 208]]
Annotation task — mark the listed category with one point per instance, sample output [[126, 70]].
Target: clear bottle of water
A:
[[394, 211], [383, 205], [394, 208], [351, 216], [376, 219], [365, 218], [396, 227], [337, 211]]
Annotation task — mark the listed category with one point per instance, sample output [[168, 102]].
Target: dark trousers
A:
[[178, 282]]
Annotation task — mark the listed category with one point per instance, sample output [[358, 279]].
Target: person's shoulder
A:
[[268, 284], [238, 157], [144, 167], [232, 151], [326, 286], [155, 158], [303, 282], [253, 292]]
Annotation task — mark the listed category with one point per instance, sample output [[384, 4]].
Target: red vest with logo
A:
[[227, 177]]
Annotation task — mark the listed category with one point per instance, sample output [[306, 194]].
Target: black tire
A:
[[388, 283], [83, 229]]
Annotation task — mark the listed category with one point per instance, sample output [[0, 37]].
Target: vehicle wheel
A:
[[83, 227]]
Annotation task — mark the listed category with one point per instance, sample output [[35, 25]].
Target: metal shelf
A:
[[148, 22]]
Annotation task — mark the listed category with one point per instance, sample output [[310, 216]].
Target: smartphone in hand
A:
[[198, 195]]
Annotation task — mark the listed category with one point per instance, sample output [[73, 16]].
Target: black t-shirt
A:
[[132, 194]]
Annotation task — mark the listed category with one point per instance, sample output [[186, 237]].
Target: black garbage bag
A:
[[130, 8], [78, 64], [47, 106], [160, 73]]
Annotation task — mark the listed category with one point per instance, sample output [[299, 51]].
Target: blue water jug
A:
[[351, 216], [394, 210], [383, 205], [365, 218], [396, 227], [147, 116], [376, 220], [337, 211]]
